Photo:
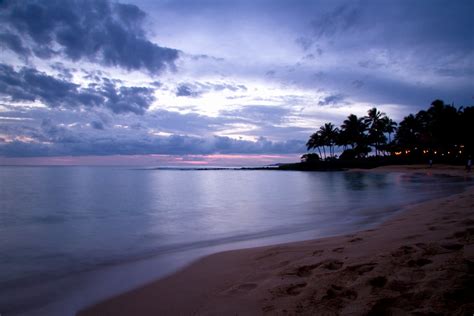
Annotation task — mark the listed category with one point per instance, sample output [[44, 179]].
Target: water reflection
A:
[[58, 221], [355, 181]]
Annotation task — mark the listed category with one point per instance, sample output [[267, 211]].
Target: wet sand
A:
[[420, 261]]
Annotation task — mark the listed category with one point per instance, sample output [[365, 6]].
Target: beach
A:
[[419, 261]]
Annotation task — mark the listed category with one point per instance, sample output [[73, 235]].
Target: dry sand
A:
[[419, 262]]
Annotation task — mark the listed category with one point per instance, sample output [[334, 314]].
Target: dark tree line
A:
[[441, 131]]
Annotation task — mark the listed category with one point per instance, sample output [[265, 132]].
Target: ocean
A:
[[70, 236]]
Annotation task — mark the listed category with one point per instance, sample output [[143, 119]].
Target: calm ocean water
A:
[[72, 235]]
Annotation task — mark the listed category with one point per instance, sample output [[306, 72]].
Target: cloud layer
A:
[[99, 31], [28, 84]]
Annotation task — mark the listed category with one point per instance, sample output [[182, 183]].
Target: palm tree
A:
[[328, 134], [353, 129], [389, 127], [314, 142], [409, 131], [374, 120]]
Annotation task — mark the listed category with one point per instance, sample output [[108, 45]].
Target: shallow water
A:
[[101, 230]]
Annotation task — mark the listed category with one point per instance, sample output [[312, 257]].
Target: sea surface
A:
[[70, 236]]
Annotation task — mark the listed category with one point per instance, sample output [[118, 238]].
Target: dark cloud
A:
[[357, 84], [184, 90], [93, 75], [97, 125], [56, 132], [63, 71], [172, 145], [196, 89], [14, 43], [341, 19], [270, 73], [28, 84], [93, 30], [333, 99], [127, 99], [455, 72], [304, 42], [386, 90], [434, 27], [206, 57], [371, 64]]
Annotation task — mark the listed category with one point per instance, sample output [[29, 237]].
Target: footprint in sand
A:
[[303, 271], [378, 281], [288, 290], [247, 286], [403, 250], [430, 249], [296, 289], [399, 286], [412, 236], [452, 246], [338, 250], [361, 268], [242, 288], [355, 239], [333, 264], [317, 252], [267, 255], [336, 297], [419, 262], [268, 308], [465, 235], [382, 307]]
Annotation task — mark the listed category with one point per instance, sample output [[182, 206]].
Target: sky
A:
[[217, 82]]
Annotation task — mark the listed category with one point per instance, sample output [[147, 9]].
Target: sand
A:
[[421, 261]]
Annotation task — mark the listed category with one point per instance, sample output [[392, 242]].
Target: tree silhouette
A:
[[353, 129], [375, 122], [408, 133], [328, 134], [314, 142], [442, 131], [389, 127]]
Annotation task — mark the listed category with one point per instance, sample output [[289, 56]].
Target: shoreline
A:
[[423, 266]]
